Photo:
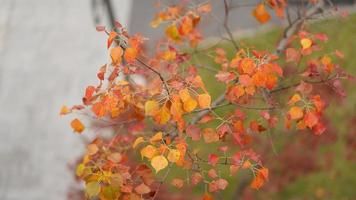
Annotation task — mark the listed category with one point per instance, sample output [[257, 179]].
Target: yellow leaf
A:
[[173, 33], [64, 110], [204, 101], [92, 189], [151, 108], [326, 60], [156, 138], [294, 99], [138, 141], [116, 55], [163, 115], [159, 163], [296, 112], [80, 169], [306, 43], [149, 151], [77, 126], [190, 105], [173, 155], [184, 95]]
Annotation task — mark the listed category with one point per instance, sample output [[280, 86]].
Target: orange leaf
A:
[[98, 109], [204, 101], [77, 126], [261, 14], [178, 183], [64, 110], [247, 65], [295, 112], [112, 36], [184, 95], [116, 55], [210, 135], [156, 138], [130, 54], [138, 141], [149, 151]]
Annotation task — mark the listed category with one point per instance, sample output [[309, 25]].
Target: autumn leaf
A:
[[64, 110], [178, 183], [98, 109], [306, 43], [204, 100], [149, 151], [294, 99], [196, 178], [193, 132], [210, 135], [92, 149], [138, 141], [163, 115], [130, 54], [190, 105], [213, 159], [159, 163], [261, 14], [173, 155], [77, 126], [173, 33], [222, 183], [311, 119], [116, 55], [212, 173], [80, 169], [292, 55], [151, 108], [156, 138], [92, 189], [247, 65], [184, 95], [112, 36], [142, 189], [295, 112]]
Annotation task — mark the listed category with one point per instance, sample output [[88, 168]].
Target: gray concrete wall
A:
[[49, 53]]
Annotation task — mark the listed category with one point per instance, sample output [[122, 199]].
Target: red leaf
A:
[[213, 159], [193, 132], [100, 28]]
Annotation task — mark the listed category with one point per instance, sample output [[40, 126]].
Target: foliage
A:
[[167, 119]]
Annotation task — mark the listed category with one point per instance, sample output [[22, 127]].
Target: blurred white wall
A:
[[49, 53]]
